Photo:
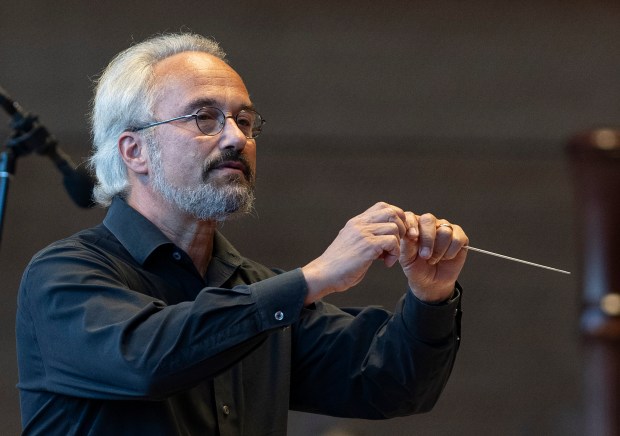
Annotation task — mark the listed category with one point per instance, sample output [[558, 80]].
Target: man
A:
[[152, 323]]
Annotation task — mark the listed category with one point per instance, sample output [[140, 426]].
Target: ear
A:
[[132, 148]]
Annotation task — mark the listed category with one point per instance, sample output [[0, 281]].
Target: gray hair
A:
[[124, 98]]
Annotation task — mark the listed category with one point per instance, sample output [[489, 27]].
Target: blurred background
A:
[[460, 108]]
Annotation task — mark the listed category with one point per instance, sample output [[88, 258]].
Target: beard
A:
[[213, 199]]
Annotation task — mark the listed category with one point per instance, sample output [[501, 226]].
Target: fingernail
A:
[[425, 252]]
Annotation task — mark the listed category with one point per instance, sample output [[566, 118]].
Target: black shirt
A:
[[117, 333]]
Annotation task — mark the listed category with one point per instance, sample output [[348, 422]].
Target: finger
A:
[[427, 229], [383, 205], [411, 221], [389, 260], [443, 240], [389, 246], [459, 240], [385, 214], [388, 228]]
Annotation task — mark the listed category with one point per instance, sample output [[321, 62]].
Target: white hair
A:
[[123, 100]]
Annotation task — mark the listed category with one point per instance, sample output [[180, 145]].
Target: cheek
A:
[[181, 165], [182, 154]]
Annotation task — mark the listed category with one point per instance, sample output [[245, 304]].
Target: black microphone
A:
[[7, 104], [77, 181], [30, 135]]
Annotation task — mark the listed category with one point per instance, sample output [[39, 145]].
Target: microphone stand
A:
[[30, 136], [7, 169]]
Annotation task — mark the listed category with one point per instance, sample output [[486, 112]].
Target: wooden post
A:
[[595, 164]]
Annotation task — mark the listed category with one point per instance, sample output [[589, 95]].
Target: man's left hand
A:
[[432, 256]]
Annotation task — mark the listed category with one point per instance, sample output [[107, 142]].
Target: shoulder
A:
[[93, 240], [84, 251]]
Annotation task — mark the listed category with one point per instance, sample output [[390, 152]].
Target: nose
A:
[[231, 136]]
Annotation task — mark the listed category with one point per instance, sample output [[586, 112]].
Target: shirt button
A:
[[279, 315], [226, 409], [176, 255]]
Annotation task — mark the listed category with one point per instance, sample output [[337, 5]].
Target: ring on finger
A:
[[446, 225]]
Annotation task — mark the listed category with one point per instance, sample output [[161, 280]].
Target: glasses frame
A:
[[195, 116]]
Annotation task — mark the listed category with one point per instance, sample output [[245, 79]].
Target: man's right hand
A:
[[374, 234]]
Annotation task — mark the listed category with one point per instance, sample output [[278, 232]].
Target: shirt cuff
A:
[[279, 299], [432, 322]]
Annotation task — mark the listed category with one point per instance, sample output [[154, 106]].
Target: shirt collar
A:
[[138, 235], [141, 238]]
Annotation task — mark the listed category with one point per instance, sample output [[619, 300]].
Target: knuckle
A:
[[393, 216], [427, 218], [353, 221]]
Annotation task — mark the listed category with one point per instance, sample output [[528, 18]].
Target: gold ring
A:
[[445, 225]]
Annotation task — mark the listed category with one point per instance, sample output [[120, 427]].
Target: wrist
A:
[[315, 283], [435, 295]]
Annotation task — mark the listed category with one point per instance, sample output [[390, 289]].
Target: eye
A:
[[208, 114], [246, 119], [210, 120]]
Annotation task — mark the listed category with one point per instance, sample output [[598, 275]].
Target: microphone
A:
[[30, 135], [10, 106], [77, 181]]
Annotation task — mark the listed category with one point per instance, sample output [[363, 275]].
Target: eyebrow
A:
[[194, 105]]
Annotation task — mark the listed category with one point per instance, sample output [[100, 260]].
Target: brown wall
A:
[[465, 109]]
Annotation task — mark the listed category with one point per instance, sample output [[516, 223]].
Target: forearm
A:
[[374, 364]]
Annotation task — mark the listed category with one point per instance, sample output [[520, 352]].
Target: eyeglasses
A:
[[211, 121]]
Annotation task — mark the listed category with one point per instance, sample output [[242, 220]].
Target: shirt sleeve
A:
[[85, 333], [370, 363]]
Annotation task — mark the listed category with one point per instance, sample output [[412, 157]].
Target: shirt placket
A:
[[228, 408]]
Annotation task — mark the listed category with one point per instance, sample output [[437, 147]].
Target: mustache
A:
[[226, 157]]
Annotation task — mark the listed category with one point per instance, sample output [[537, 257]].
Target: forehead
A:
[[186, 79]]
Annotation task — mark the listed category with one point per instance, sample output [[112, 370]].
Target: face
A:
[[209, 177]]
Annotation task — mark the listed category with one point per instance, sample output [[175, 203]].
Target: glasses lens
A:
[[250, 123], [210, 120]]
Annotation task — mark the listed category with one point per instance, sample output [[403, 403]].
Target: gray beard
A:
[[210, 200]]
